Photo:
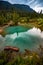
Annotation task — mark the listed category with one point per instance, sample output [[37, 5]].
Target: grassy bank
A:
[[18, 58]]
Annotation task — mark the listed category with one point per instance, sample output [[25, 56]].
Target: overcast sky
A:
[[35, 4]]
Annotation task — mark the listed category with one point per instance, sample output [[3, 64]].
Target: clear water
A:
[[22, 38], [16, 29]]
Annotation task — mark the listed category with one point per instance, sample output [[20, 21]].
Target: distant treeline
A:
[[17, 16]]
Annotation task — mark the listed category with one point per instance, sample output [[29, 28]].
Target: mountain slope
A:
[[23, 7], [4, 5]]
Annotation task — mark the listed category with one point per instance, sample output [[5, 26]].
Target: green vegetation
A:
[[28, 19], [26, 58]]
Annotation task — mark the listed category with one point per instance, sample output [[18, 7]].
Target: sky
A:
[[37, 5]]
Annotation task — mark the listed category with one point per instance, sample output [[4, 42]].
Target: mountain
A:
[[4, 5], [23, 7]]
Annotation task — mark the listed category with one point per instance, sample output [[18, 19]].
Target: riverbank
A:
[[38, 23]]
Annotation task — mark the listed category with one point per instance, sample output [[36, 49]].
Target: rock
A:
[[9, 48]]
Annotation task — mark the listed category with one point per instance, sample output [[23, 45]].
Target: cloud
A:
[[38, 9], [16, 1], [26, 1]]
